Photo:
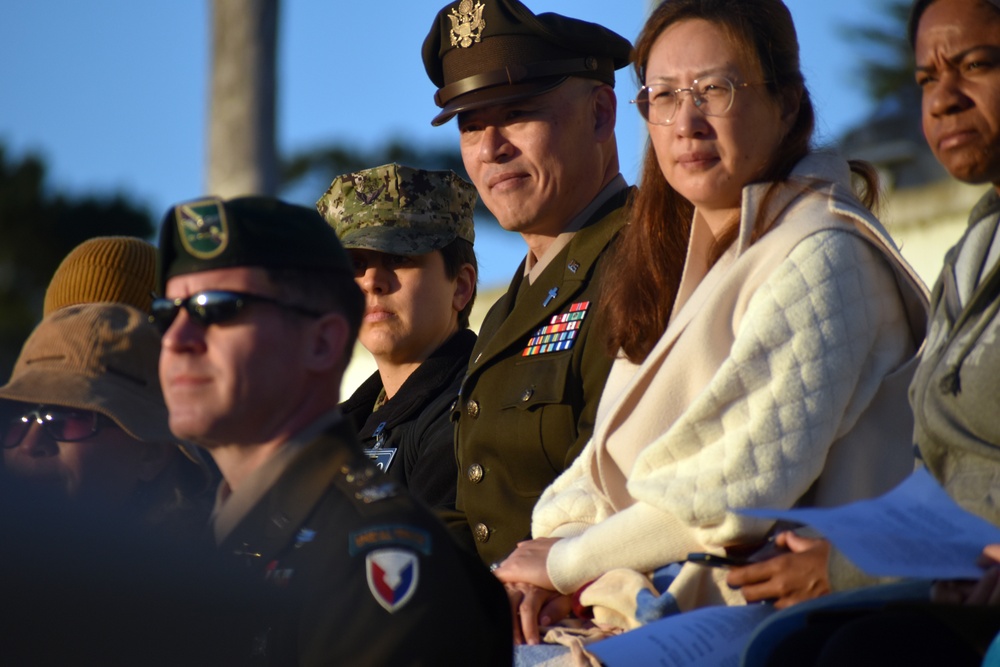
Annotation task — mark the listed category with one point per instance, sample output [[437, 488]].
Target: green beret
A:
[[264, 232], [485, 52], [399, 210]]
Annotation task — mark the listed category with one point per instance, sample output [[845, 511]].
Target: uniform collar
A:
[[232, 506], [533, 266]]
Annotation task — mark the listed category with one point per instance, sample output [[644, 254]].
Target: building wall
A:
[[926, 221]]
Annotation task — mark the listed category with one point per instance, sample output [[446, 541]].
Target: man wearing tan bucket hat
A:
[[83, 414], [409, 234], [536, 114]]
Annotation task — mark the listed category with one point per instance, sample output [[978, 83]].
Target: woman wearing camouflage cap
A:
[[409, 233]]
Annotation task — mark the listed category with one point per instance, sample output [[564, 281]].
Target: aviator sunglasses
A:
[[60, 423], [213, 307]]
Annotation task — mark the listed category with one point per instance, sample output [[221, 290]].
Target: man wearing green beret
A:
[[536, 115], [409, 233], [259, 315]]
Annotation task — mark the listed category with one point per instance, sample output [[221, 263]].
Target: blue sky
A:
[[113, 93]]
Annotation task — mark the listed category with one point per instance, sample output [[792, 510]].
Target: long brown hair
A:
[[654, 244]]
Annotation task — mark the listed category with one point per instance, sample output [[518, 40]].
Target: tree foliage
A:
[[886, 60], [38, 228]]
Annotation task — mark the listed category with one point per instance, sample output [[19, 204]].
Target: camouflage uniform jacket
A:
[[412, 434], [527, 406], [362, 573]]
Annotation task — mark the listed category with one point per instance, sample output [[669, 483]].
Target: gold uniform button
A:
[[475, 473], [481, 532], [472, 409], [526, 396]]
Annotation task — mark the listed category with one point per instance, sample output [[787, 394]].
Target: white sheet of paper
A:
[[709, 637], [915, 530]]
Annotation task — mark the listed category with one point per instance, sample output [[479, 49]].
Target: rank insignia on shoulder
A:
[[364, 483], [560, 333], [376, 492], [393, 575]]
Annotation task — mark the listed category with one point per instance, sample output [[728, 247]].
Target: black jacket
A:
[[414, 427], [363, 574]]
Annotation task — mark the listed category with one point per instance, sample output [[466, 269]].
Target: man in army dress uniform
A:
[[409, 233], [259, 316], [536, 116]]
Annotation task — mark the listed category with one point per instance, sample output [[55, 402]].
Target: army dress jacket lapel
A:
[[516, 315], [269, 527]]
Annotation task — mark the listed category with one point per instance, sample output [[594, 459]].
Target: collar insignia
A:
[[203, 228], [304, 536], [467, 24]]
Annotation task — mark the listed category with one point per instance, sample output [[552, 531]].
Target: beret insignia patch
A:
[[203, 228]]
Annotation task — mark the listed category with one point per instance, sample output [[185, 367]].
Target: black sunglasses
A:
[[60, 423], [214, 307]]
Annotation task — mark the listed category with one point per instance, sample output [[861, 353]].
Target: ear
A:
[[465, 285], [154, 459], [790, 101], [605, 112], [327, 344]]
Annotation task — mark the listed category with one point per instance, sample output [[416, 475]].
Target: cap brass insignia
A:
[[467, 24], [203, 228], [367, 188]]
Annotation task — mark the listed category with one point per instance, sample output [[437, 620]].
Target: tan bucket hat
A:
[[102, 357]]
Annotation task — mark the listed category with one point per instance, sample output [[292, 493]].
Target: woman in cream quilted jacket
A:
[[765, 334]]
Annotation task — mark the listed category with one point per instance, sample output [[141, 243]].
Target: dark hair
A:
[[654, 244], [917, 11], [325, 291], [455, 254]]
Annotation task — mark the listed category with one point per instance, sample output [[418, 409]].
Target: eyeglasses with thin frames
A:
[[712, 95]]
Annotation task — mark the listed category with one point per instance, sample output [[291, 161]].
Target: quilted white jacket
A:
[[781, 380]]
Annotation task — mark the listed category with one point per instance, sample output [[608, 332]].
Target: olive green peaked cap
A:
[[399, 210], [484, 52], [212, 233]]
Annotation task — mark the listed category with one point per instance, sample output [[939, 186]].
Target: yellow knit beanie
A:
[[120, 269]]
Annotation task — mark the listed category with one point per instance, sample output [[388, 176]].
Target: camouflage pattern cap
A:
[[212, 233], [485, 52], [399, 210]]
